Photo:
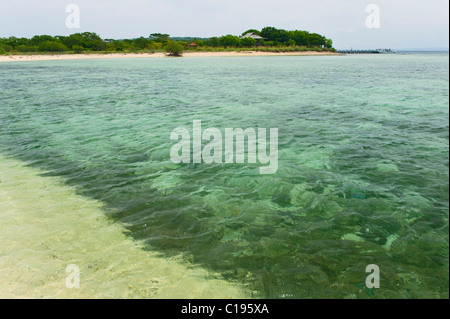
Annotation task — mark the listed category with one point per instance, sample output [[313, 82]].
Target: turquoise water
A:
[[363, 163]]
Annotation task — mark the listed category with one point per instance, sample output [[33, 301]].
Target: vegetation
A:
[[77, 48], [174, 48], [274, 40]]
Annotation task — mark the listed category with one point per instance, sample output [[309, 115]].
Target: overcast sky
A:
[[403, 23]]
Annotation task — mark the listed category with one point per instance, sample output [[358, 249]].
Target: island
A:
[[268, 41]]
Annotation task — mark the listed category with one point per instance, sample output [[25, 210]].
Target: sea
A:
[[362, 180]]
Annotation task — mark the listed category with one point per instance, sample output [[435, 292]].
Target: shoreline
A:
[[86, 56]]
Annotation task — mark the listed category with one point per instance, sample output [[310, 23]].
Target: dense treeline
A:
[[85, 42], [273, 37]]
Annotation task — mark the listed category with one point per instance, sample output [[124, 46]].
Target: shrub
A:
[[110, 47], [26, 48], [248, 42], [7, 48], [52, 46], [173, 48], [77, 48], [229, 41]]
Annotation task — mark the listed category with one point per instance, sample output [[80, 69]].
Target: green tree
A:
[[77, 48], [160, 37], [212, 42], [38, 39], [316, 40], [110, 47], [269, 43], [251, 31], [88, 40], [52, 46], [70, 41], [157, 45], [300, 37], [174, 48], [229, 40], [92, 41], [183, 44], [273, 34], [248, 42], [16, 42], [199, 42], [7, 48], [141, 43], [26, 48]]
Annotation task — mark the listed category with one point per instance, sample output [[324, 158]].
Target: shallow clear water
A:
[[363, 163], [45, 226]]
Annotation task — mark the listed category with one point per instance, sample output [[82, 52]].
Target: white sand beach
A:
[[24, 58]]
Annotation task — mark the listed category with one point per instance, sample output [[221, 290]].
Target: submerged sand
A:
[[45, 226], [22, 58]]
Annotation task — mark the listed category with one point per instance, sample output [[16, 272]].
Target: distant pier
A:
[[377, 51]]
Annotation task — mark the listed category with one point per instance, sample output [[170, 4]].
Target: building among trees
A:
[[254, 36]]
